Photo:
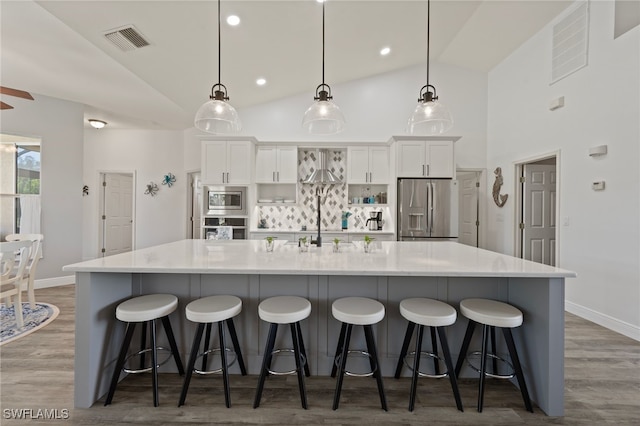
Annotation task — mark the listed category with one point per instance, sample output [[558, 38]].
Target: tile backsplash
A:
[[333, 200]]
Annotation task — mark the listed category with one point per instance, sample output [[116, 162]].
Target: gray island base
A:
[[390, 272]]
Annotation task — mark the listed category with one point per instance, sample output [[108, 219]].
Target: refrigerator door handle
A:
[[432, 206]]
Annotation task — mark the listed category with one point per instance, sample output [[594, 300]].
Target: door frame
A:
[[482, 204], [100, 206], [188, 175], [518, 167]]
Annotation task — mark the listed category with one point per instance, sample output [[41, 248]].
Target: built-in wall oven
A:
[[225, 213]]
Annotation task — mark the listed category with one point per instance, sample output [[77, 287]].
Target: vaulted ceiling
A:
[[59, 48]]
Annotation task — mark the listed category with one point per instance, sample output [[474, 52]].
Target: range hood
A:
[[322, 174]]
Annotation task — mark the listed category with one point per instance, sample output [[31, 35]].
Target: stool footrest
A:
[[303, 361], [359, 353], [146, 369], [423, 374], [217, 370], [492, 374]]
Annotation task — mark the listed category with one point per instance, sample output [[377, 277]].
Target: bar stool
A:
[[357, 311], [284, 310], [206, 311], [491, 314], [146, 309], [435, 315]]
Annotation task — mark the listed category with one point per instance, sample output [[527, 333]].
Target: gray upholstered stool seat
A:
[[146, 310], [435, 315], [352, 311], [491, 314], [206, 311], [284, 310]]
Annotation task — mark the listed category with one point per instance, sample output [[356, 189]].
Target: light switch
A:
[[598, 186]]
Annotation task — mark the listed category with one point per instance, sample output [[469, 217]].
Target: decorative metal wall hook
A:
[[85, 190], [500, 200]]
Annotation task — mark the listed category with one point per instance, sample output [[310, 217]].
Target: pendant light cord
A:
[[323, 43], [428, 22], [220, 44]]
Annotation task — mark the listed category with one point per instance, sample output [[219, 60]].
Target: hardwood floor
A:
[[602, 379]]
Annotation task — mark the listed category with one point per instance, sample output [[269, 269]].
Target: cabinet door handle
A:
[[423, 173], [370, 177], [227, 177], [222, 177], [273, 176], [278, 175], [428, 174]]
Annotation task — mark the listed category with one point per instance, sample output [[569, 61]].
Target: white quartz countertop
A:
[[268, 231], [388, 258]]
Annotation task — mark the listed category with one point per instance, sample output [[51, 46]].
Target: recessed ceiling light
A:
[[233, 20], [385, 51], [261, 81]]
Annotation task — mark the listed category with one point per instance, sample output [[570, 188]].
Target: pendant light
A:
[[218, 116], [430, 116], [323, 116]]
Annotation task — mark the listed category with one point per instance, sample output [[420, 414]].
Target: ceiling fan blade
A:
[[15, 92], [5, 106]]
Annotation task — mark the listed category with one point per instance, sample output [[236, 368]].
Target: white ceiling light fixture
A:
[[97, 124], [323, 116], [261, 81], [233, 20], [216, 115], [430, 116], [385, 51]]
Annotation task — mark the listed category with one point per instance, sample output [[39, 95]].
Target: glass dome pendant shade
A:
[[216, 115], [430, 116], [323, 116]]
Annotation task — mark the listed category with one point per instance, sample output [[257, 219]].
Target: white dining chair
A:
[[35, 253], [12, 277]]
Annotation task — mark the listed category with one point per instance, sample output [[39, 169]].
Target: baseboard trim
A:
[[607, 321], [54, 282]]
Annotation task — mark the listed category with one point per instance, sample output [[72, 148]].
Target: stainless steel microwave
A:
[[225, 200]]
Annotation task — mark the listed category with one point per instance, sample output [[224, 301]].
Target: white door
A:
[[379, 164], [539, 211], [287, 164], [439, 162], [411, 158], [266, 164], [358, 164], [117, 213], [468, 188]]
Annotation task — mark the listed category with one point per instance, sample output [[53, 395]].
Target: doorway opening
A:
[[194, 205], [538, 209], [116, 210]]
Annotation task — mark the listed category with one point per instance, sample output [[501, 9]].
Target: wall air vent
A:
[[570, 42], [126, 38]]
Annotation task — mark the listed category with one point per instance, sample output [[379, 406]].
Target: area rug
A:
[[34, 319]]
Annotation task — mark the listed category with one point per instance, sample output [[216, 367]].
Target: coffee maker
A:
[[374, 223]]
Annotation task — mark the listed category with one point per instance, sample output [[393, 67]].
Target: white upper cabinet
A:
[[277, 164], [226, 162], [419, 158], [368, 164]]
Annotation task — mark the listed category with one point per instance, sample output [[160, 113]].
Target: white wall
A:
[[59, 125], [602, 104], [376, 108], [150, 154]]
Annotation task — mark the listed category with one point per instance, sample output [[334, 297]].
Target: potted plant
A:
[[336, 245], [270, 243], [302, 243], [367, 242]]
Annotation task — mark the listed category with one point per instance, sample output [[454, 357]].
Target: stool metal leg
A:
[[236, 346], [191, 363], [207, 342], [172, 343], [405, 347], [465, 346], [266, 362], [299, 366], [434, 350], [143, 343], [302, 350], [447, 359], [368, 334], [223, 359], [334, 367], [516, 365], [483, 366], [416, 368], [131, 326], [344, 348], [494, 349], [154, 364]]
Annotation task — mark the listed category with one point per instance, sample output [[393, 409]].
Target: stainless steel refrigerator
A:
[[427, 209]]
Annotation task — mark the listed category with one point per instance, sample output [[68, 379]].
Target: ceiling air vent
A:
[[126, 38], [570, 42]]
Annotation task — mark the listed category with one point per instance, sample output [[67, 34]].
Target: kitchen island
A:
[[392, 271]]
